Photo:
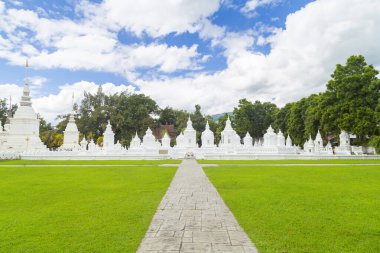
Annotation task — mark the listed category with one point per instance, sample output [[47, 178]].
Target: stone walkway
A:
[[192, 217]]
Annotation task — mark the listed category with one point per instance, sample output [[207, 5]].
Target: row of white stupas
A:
[[21, 134]]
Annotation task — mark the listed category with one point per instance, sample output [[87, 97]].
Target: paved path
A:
[[192, 217]]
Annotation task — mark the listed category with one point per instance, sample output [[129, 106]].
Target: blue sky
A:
[[180, 52]]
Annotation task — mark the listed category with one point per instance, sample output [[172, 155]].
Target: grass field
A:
[[78, 208], [91, 162], [304, 208], [327, 161]]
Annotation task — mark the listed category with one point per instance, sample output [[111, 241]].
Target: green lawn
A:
[[304, 208], [325, 161], [91, 162], [78, 209]]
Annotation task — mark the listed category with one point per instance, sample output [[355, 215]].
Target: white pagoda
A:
[[190, 136], [344, 144], [248, 141], [109, 138], [208, 139], [165, 141], [71, 135], [229, 138], [22, 131], [270, 138]]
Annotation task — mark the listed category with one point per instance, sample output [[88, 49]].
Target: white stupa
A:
[[71, 134], [180, 141], [190, 135], [229, 138], [92, 146], [289, 142], [83, 144], [281, 139], [248, 141], [149, 141], [270, 138], [208, 138], [165, 141], [344, 144], [135, 142], [108, 138], [309, 146], [22, 131], [318, 142]]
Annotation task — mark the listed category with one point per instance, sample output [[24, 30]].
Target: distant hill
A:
[[216, 117]]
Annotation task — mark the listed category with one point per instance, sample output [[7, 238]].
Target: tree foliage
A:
[[351, 103], [254, 118]]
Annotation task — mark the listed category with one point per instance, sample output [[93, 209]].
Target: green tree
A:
[[352, 99], [254, 118], [199, 123], [5, 111], [281, 118]]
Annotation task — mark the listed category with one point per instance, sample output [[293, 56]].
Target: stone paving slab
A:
[[192, 217]]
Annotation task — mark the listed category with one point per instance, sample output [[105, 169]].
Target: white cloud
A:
[[252, 5], [37, 81], [158, 18], [91, 43], [10, 90], [302, 58], [1, 6], [52, 105]]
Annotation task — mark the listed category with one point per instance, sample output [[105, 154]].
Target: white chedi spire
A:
[[289, 142], [71, 135], [165, 141], [190, 135], [344, 139], [270, 138], [83, 143], [23, 128], [208, 137], [248, 140], [180, 141], [91, 145], [108, 138], [135, 142], [229, 138], [25, 110], [149, 141], [228, 125], [280, 139], [25, 98], [309, 146], [318, 140]]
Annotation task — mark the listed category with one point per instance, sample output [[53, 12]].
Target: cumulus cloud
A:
[[9, 90], [91, 43], [1, 6], [252, 5], [158, 18], [52, 105], [302, 57]]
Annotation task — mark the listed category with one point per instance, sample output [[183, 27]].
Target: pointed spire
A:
[[26, 72], [228, 125], [25, 99], [207, 125]]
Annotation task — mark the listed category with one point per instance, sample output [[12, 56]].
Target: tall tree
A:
[[5, 111], [352, 98], [199, 122], [254, 118]]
